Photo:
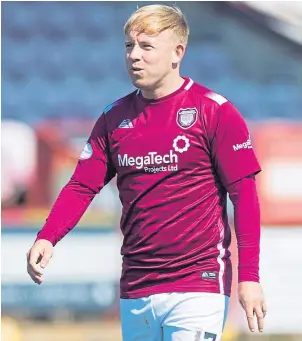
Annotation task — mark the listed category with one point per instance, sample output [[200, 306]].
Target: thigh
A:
[[138, 322], [196, 317]]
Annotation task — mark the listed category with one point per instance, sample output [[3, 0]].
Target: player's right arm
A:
[[93, 171]]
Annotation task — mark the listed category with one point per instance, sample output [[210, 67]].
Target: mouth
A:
[[136, 69]]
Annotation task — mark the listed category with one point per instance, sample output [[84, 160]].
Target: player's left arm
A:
[[236, 164], [243, 194]]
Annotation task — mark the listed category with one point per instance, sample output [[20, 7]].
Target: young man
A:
[[177, 149]]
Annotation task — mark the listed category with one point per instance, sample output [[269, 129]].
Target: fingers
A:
[[33, 259], [255, 309], [252, 300], [45, 259], [260, 316], [249, 310], [264, 309], [37, 278], [38, 258]]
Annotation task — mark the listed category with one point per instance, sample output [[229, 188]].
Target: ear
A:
[[178, 53]]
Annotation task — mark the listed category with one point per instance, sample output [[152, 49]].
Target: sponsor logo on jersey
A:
[[126, 124], [208, 275], [87, 152], [152, 158], [244, 145], [178, 147], [186, 118], [153, 162]]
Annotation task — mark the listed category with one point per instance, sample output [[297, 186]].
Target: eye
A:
[[147, 47], [128, 45]]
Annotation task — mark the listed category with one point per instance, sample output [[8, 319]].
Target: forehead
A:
[[142, 36]]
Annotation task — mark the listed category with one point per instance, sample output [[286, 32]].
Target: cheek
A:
[[167, 57], [149, 58], [156, 61]]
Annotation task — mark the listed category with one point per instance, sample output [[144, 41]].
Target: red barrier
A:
[[279, 150]]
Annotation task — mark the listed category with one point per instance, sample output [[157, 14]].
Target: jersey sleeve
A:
[[243, 194], [95, 168], [66, 212], [231, 148]]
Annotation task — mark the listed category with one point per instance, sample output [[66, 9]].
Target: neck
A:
[[166, 87]]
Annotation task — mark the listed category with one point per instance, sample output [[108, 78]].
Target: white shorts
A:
[[174, 317]]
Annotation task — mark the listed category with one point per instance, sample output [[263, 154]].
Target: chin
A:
[[139, 83]]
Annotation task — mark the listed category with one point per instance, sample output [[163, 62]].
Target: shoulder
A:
[[212, 103], [119, 104], [208, 96], [112, 114], [216, 109]]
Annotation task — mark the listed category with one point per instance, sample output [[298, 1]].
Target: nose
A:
[[135, 53]]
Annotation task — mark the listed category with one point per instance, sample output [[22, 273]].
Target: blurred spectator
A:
[[18, 157]]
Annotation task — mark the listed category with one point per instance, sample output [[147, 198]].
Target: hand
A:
[[40, 253], [251, 298]]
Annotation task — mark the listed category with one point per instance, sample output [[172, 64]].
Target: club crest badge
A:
[[186, 118]]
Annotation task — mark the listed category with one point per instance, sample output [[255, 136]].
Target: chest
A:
[[160, 139]]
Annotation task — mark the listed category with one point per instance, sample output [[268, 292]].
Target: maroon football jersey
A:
[[173, 158]]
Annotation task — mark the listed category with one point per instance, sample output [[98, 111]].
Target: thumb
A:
[[46, 258]]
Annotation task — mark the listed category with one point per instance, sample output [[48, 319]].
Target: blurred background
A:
[[62, 63]]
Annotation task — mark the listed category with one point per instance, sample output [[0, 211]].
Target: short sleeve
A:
[[231, 148], [94, 168]]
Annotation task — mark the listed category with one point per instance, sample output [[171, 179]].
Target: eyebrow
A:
[[141, 42]]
